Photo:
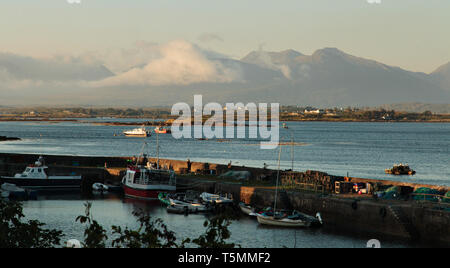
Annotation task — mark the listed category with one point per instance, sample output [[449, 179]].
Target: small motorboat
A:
[[215, 199], [163, 198], [4, 194], [9, 190], [177, 210], [161, 130], [282, 219], [100, 187], [247, 209], [193, 207]]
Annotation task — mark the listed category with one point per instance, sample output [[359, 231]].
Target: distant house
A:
[[314, 111]]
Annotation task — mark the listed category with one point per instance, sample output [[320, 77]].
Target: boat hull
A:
[[137, 135], [150, 193], [42, 183], [283, 222], [246, 210]]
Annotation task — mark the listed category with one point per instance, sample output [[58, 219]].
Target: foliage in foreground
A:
[[15, 233], [153, 233]]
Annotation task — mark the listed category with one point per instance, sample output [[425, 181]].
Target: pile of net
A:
[[422, 194], [391, 193], [447, 197]]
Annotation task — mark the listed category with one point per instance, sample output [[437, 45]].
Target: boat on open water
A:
[[138, 132]]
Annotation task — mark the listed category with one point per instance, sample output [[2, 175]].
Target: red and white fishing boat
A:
[[144, 182], [160, 130]]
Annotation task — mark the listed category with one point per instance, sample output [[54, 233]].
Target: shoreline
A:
[[167, 122]]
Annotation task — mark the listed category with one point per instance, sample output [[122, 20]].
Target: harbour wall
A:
[[368, 218], [373, 218]]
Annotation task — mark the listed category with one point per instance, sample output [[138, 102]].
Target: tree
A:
[[17, 234], [94, 235], [150, 234]]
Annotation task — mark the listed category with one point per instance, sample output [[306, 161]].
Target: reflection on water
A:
[[59, 211]]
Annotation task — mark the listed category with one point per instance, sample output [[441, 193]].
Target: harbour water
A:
[[61, 211], [359, 149]]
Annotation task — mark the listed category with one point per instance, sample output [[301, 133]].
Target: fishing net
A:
[[391, 193], [426, 194], [447, 197]]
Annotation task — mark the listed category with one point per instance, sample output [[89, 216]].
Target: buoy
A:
[[73, 243], [319, 217]]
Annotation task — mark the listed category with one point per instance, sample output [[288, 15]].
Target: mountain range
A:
[[328, 77]]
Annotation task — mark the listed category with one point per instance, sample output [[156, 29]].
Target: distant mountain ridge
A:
[[327, 78], [442, 76], [332, 77]]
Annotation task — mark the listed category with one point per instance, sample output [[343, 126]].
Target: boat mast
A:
[[278, 177], [157, 150]]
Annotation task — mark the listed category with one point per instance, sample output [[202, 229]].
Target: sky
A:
[[411, 34]]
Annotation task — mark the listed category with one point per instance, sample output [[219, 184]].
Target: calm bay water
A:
[[359, 149], [61, 211]]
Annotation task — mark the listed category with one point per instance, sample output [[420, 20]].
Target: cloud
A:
[[58, 68], [374, 1], [209, 37], [179, 63], [124, 59], [264, 59]]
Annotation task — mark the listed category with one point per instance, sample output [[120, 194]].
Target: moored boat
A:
[[246, 209], [193, 207], [161, 130], [35, 176], [145, 183], [215, 199], [163, 198], [400, 170], [281, 219], [138, 132]]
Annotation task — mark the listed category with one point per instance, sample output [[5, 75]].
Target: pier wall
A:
[[374, 219], [369, 217]]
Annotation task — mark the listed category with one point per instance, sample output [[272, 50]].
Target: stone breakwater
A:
[[310, 192]]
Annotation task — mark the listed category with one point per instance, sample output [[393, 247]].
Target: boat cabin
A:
[[36, 172], [137, 175]]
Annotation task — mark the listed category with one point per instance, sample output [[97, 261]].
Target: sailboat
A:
[[284, 219], [147, 182]]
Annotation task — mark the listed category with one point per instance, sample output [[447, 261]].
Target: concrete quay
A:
[[426, 222]]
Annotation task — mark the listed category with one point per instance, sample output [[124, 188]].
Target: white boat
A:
[[281, 219], [137, 132], [100, 187], [215, 199], [297, 219], [246, 209], [193, 207], [35, 176]]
